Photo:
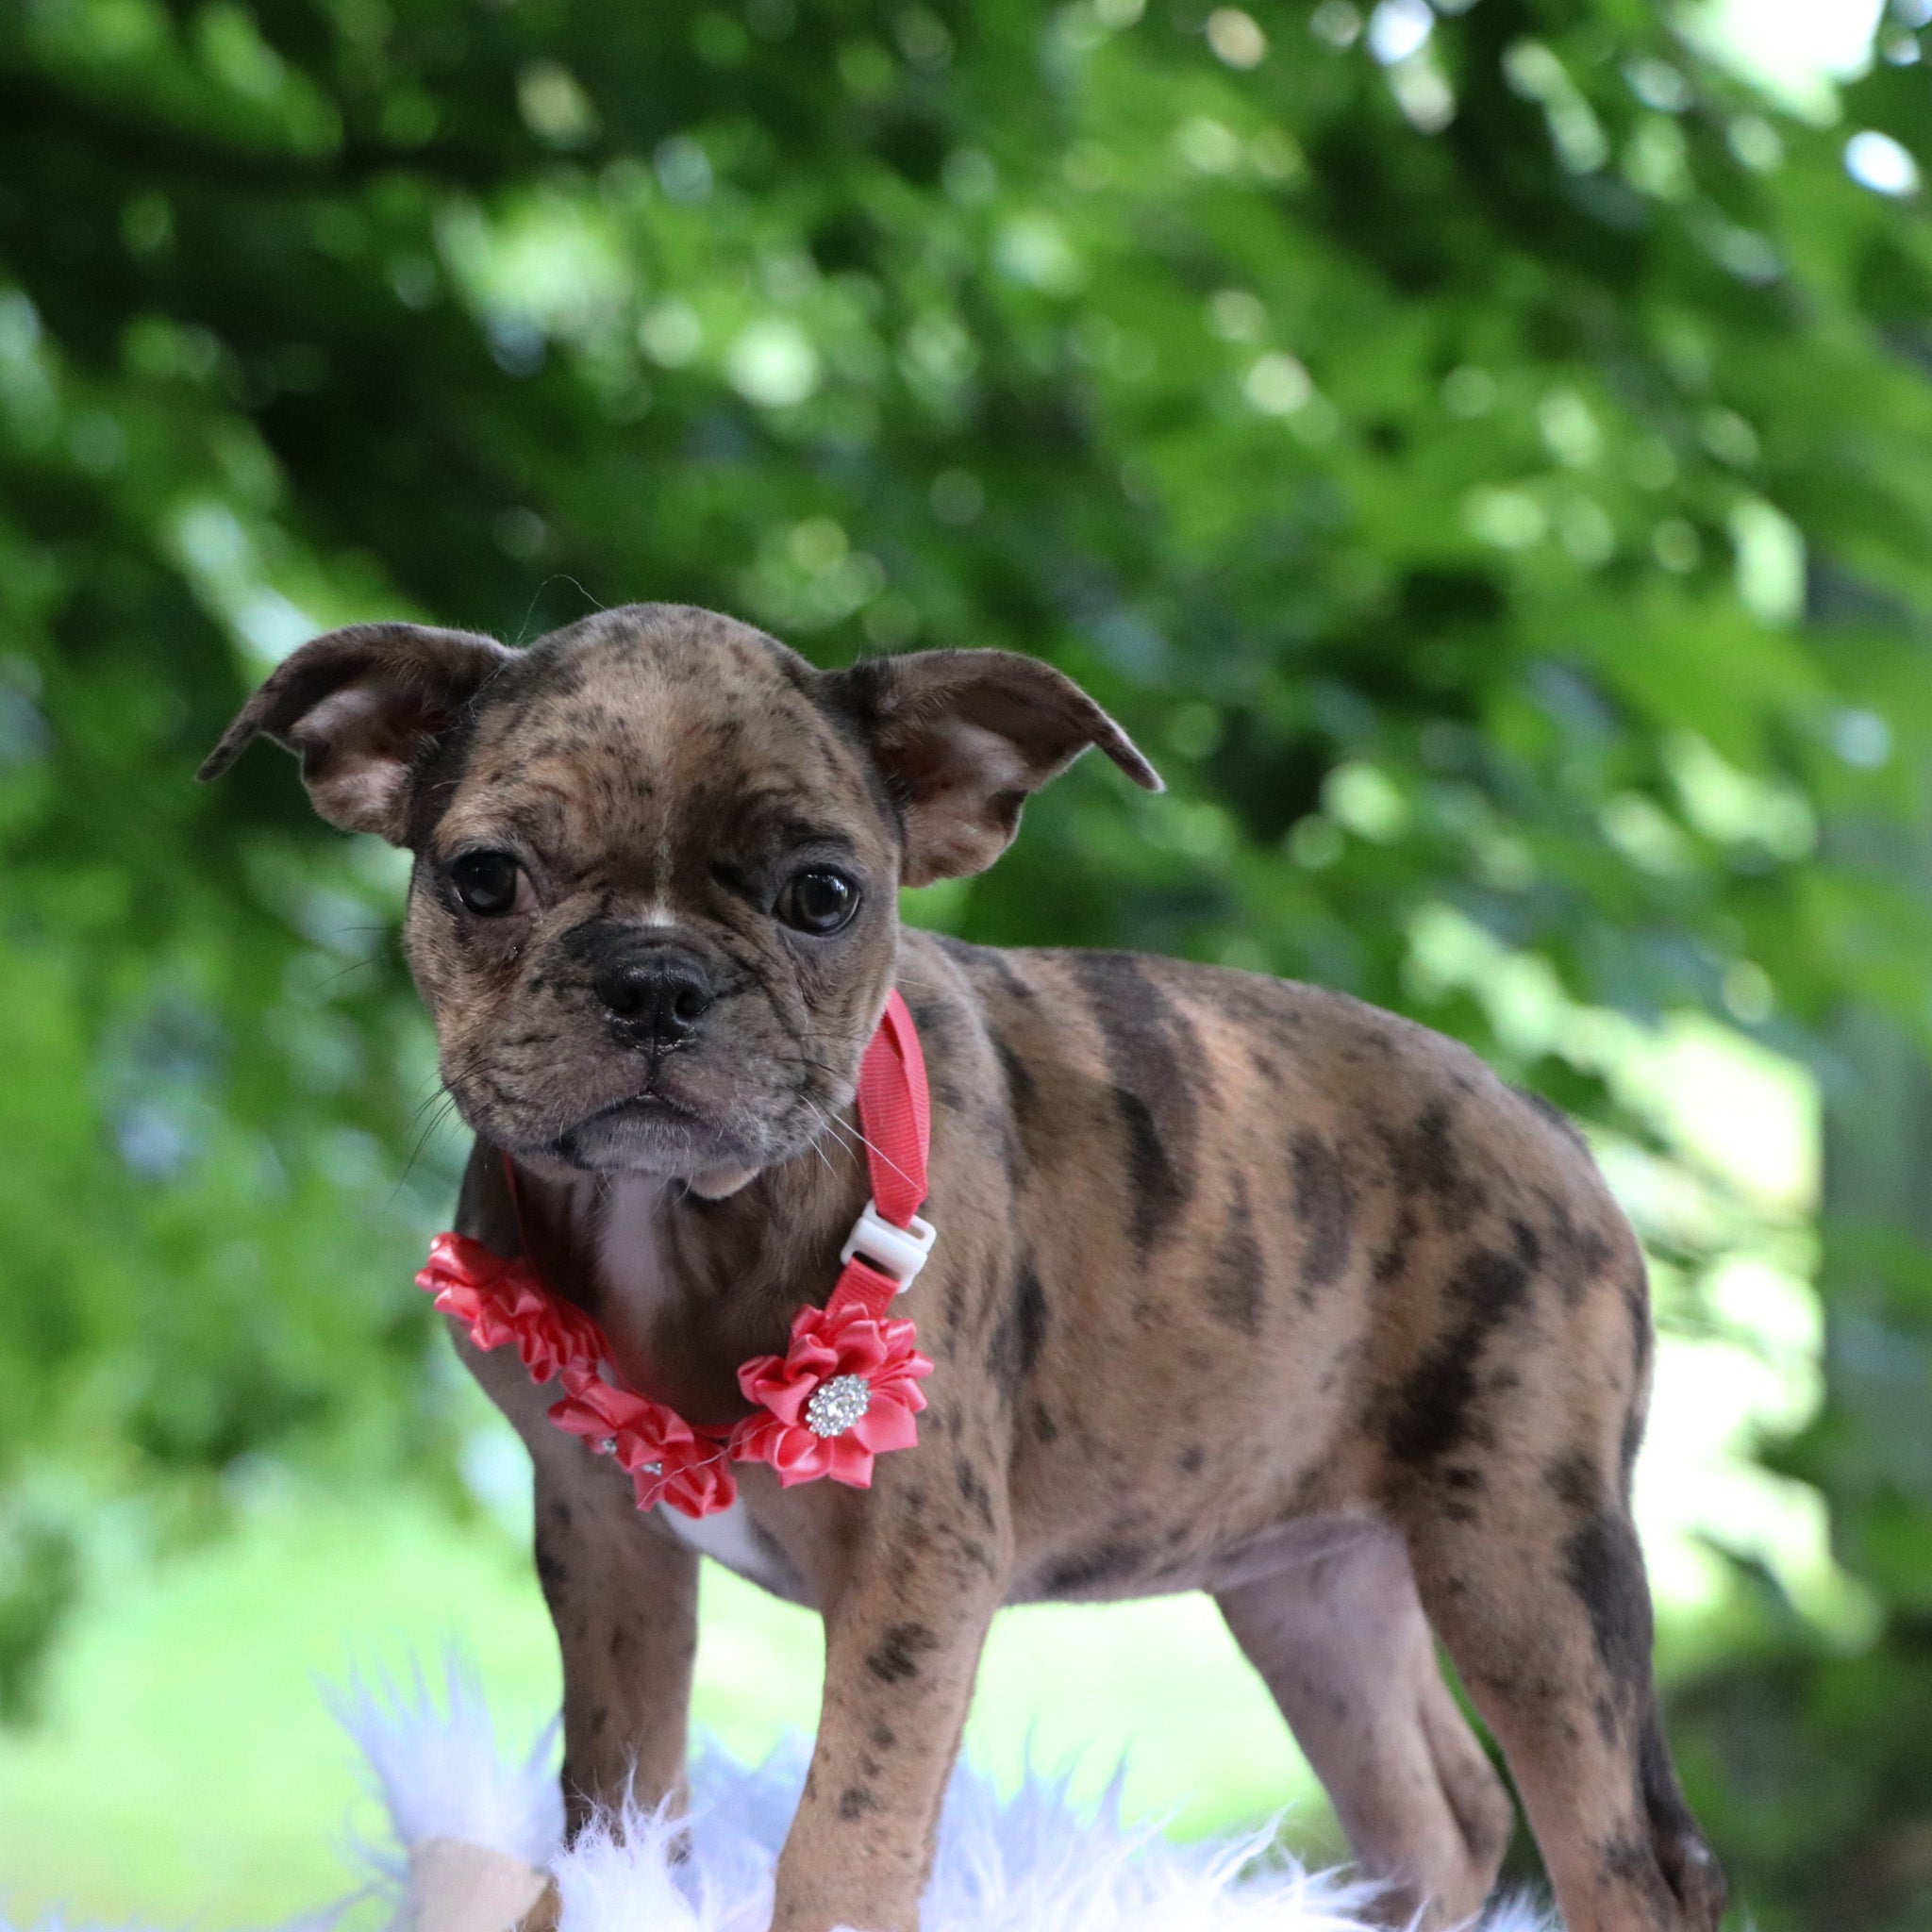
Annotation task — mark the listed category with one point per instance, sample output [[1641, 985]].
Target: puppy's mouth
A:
[[646, 1131]]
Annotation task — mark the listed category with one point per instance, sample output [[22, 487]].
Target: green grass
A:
[[188, 1772]]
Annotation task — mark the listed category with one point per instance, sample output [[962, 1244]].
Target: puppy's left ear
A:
[[964, 737]]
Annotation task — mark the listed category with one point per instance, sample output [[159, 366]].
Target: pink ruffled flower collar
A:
[[845, 1390]]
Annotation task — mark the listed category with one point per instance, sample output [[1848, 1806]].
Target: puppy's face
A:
[[654, 905]]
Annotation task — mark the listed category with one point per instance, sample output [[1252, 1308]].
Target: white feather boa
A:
[[1037, 1861]]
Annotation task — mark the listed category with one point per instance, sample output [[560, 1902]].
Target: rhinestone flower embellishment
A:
[[835, 1405], [845, 1392]]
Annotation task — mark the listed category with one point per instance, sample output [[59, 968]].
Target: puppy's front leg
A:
[[622, 1593], [902, 1646], [624, 1597]]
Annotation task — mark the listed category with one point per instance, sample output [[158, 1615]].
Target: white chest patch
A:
[[725, 1537], [628, 1257]]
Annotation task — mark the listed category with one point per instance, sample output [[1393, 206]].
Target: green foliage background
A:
[[1486, 467]]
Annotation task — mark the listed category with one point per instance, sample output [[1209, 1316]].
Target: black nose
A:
[[654, 998]]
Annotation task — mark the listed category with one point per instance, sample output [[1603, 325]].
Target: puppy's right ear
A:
[[358, 707]]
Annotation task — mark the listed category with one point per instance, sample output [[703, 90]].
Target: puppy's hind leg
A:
[[1540, 1596], [1341, 1640]]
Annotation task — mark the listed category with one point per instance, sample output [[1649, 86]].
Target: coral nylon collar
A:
[[846, 1389]]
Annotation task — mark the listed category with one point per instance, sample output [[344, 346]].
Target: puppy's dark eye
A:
[[486, 882], [817, 901]]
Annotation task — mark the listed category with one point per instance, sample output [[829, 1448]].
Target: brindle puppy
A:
[[1240, 1285]]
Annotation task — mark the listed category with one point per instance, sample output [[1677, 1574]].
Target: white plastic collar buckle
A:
[[897, 1253]]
